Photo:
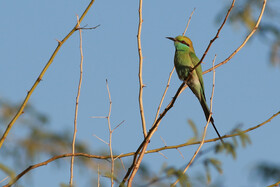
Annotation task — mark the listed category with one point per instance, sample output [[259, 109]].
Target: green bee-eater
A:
[[184, 61]]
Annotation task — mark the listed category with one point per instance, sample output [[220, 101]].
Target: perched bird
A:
[[184, 61]]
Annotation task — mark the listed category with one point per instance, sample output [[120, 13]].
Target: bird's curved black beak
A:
[[170, 38]]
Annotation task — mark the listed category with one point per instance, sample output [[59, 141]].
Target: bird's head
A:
[[182, 43]]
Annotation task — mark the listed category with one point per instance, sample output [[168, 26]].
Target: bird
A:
[[185, 60]]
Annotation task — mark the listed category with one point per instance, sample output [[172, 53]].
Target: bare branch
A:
[[118, 126], [13, 180], [180, 153], [77, 105], [122, 164], [4, 179], [163, 141], [164, 93], [98, 176], [162, 155], [102, 117], [141, 85], [110, 136], [101, 139], [29, 93], [86, 28]]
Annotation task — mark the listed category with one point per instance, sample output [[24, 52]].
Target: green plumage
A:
[[185, 60]]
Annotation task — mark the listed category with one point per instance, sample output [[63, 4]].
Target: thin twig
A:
[[4, 179], [115, 158], [118, 125], [101, 139], [87, 28], [13, 180], [98, 176], [110, 136], [244, 42], [102, 117], [77, 104], [163, 141], [180, 153], [122, 164], [164, 93], [163, 155], [141, 85], [205, 128], [188, 22], [29, 93]]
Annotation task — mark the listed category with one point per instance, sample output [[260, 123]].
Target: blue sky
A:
[[246, 90]]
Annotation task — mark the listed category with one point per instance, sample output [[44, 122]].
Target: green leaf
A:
[[217, 164], [207, 170], [230, 149], [244, 138], [194, 129], [183, 178]]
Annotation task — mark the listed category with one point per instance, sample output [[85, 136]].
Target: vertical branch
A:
[[110, 136], [140, 70], [29, 93], [98, 176], [205, 128], [77, 103]]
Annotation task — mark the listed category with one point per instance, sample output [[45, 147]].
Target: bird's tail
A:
[[207, 114]]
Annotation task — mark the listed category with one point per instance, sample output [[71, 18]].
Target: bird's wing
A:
[[198, 70]]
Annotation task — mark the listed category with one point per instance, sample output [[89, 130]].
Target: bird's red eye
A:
[[183, 42]]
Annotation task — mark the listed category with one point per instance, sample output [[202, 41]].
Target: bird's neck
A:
[[181, 47]]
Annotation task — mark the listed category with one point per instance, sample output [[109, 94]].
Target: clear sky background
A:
[[246, 90]]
